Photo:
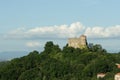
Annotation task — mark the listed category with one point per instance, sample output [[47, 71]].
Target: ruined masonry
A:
[[80, 42]]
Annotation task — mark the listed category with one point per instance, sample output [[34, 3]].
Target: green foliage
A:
[[96, 48], [31, 74], [67, 64], [48, 47]]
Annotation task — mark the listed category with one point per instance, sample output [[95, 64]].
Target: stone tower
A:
[[80, 42]]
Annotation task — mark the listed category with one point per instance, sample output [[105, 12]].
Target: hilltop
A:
[[62, 64]]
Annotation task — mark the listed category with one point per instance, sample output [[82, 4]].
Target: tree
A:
[[96, 48], [48, 47], [51, 48]]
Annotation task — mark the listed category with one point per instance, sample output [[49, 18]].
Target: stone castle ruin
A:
[[80, 42]]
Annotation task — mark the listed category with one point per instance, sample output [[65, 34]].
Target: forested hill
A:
[[62, 64]]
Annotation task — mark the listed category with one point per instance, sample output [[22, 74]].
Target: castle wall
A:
[[73, 42], [80, 42]]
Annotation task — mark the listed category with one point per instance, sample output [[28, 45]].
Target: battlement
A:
[[80, 42]]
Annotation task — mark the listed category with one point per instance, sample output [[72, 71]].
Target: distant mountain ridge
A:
[[8, 55]]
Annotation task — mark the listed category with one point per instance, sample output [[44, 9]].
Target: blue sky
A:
[[27, 24]]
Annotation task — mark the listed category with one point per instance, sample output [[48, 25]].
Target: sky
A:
[[26, 25]]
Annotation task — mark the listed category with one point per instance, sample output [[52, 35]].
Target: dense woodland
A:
[[62, 64]]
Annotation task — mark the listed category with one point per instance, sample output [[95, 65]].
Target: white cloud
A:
[[57, 31], [101, 32], [33, 44], [19, 33], [61, 31], [65, 31]]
